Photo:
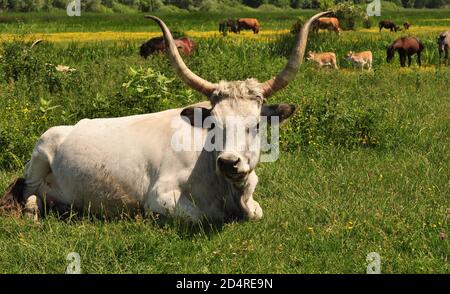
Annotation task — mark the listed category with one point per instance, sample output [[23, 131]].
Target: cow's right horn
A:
[[192, 80], [295, 60]]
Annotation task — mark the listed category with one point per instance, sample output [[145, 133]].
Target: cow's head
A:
[[390, 52], [349, 55], [441, 43], [310, 55], [237, 106]]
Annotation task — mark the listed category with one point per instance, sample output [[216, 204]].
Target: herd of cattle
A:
[[405, 46], [108, 166]]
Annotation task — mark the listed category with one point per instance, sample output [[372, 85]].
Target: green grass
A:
[[364, 164], [90, 22]]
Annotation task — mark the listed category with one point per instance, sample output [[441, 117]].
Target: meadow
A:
[[364, 163]]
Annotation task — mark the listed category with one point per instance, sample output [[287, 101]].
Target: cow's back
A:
[[121, 157]]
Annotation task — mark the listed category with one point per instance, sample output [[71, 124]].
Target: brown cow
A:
[[323, 59], [405, 46], [156, 44], [327, 23], [387, 24], [248, 24], [362, 58]]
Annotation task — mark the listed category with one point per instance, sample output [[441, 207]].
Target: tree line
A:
[[154, 5]]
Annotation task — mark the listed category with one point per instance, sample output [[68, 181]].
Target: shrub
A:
[[348, 14], [20, 62], [140, 90], [327, 122]]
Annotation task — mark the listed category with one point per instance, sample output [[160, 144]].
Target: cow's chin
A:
[[236, 178]]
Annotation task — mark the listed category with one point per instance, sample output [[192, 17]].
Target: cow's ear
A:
[[282, 111], [195, 115]]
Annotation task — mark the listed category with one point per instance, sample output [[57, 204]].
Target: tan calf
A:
[[362, 58], [323, 59]]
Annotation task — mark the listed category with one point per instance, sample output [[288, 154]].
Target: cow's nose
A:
[[228, 164]]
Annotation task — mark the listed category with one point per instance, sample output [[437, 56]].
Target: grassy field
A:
[[364, 163]]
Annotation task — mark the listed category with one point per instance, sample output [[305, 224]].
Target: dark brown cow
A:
[[387, 24], [228, 25], [406, 47], [248, 24], [156, 44], [326, 23]]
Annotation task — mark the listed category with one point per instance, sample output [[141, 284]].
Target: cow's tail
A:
[[12, 202]]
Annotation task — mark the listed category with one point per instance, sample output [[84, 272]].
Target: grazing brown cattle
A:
[[327, 23], [186, 45], [406, 25], [156, 44], [361, 58], [444, 44], [387, 24], [406, 47], [248, 24], [228, 25], [323, 59]]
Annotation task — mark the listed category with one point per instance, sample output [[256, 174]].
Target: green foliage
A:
[[141, 87], [333, 122], [363, 165], [348, 14], [122, 6]]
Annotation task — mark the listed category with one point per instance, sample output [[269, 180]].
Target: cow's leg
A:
[[446, 55], [252, 208], [402, 59], [334, 64], [38, 168], [409, 60], [173, 203], [33, 207], [418, 59]]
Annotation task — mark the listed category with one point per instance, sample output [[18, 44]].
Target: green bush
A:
[[140, 90], [348, 14], [323, 122]]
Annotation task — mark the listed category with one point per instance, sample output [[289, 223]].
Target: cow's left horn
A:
[[191, 79], [295, 60]]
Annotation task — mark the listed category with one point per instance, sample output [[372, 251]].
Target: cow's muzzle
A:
[[228, 164]]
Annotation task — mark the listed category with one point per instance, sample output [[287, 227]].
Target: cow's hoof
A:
[[32, 208], [255, 211]]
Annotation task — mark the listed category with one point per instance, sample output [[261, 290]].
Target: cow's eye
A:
[[253, 129], [213, 125]]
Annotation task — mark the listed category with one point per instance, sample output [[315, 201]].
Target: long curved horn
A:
[[295, 60], [35, 43], [192, 80]]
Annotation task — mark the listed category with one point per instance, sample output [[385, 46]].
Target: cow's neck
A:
[[233, 192]]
